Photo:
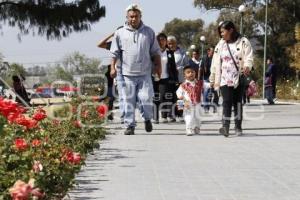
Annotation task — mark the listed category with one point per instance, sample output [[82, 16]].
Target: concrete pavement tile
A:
[[166, 165]]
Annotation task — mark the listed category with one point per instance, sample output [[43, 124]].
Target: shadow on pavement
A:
[[276, 104], [273, 128], [90, 182], [269, 135]]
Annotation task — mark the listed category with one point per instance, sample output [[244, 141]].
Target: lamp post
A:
[[192, 48], [202, 40], [242, 9], [265, 49]]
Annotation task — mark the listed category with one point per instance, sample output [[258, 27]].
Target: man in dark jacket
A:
[[270, 81]]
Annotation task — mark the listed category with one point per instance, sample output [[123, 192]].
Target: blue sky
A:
[[37, 50]]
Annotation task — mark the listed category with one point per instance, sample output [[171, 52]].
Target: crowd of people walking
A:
[[156, 76]]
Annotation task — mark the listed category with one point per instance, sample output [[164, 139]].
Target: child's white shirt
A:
[[183, 93]]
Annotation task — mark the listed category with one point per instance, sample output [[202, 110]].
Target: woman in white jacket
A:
[[231, 63]]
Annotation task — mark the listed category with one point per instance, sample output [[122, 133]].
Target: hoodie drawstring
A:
[[135, 37]]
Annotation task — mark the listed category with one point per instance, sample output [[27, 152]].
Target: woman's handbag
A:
[[252, 89]]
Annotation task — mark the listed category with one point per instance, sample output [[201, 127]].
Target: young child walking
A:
[[190, 93]]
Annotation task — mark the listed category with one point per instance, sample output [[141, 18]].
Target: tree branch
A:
[[51, 18], [3, 3]]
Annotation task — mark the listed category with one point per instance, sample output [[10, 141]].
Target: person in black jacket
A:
[[20, 90]]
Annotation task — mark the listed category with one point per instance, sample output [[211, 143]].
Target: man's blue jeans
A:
[[138, 89]]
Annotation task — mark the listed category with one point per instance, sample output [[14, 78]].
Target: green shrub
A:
[[46, 150]]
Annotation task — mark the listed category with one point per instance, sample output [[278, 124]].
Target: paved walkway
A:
[[264, 164]]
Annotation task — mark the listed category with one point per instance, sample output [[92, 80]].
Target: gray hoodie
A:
[[135, 48]]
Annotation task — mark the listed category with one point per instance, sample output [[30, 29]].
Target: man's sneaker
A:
[[190, 132], [224, 131], [238, 131], [164, 120], [110, 116], [171, 119], [148, 126], [197, 130], [129, 131]]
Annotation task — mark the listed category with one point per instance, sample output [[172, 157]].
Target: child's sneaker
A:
[[172, 119], [190, 132], [197, 130], [180, 119]]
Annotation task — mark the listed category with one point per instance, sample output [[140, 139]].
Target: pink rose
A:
[[37, 166]]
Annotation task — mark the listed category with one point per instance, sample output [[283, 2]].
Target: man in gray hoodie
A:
[[137, 48]]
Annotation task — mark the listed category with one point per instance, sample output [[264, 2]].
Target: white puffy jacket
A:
[[245, 55]]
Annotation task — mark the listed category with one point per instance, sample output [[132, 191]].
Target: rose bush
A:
[[49, 151]]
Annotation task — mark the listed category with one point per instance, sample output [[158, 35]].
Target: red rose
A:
[[12, 117], [102, 110], [71, 157], [20, 144], [76, 158], [10, 108], [35, 143], [39, 115], [31, 124], [28, 123]]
